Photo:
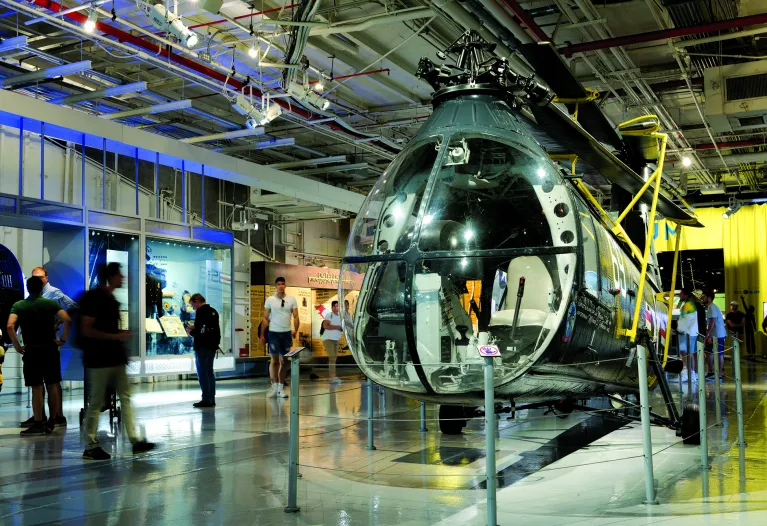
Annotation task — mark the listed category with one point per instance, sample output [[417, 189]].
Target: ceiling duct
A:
[[736, 97]]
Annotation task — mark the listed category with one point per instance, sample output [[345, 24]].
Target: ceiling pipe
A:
[[249, 15], [664, 34], [352, 26], [507, 20], [13, 43], [538, 34], [734, 144], [189, 64], [352, 75], [716, 162], [329, 169]]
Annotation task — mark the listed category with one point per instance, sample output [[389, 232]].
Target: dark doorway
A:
[[698, 269]]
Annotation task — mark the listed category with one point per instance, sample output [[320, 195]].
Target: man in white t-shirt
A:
[[330, 338], [715, 333], [278, 311]]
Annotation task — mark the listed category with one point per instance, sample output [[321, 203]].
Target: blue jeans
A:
[[280, 342], [204, 360]]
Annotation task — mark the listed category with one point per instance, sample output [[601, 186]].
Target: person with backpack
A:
[[687, 333], [207, 336]]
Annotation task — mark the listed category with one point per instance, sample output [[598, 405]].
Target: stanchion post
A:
[[490, 442], [644, 405], [690, 365], [29, 397], [738, 392], [295, 368], [423, 418], [702, 411], [371, 445], [717, 384]]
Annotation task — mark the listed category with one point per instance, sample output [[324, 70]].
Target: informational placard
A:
[[488, 351], [173, 327], [257, 298], [121, 294], [152, 326], [294, 352]]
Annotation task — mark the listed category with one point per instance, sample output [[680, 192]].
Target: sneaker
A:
[[49, 425], [335, 381], [272, 393], [60, 421], [313, 376], [143, 446], [35, 430], [30, 422], [281, 393], [96, 454], [203, 404]]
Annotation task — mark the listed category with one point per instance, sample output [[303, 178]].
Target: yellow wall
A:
[[744, 242]]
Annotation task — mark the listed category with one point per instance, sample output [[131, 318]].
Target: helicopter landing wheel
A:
[[451, 420], [563, 408], [691, 424]]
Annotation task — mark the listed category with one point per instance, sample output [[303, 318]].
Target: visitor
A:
[[687, 333], [207, 337], [278, 311], [715, 333], [330, 339]]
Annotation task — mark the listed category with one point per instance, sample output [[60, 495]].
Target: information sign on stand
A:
[[294, 352], [489, 351]]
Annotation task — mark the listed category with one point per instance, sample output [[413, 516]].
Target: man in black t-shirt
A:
[[36, 316], [105, 358], [207, 336]]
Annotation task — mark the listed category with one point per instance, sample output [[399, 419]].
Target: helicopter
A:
[[477, 235]]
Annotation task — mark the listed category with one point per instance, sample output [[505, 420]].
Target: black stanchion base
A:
[[288, 509], [371, 448]]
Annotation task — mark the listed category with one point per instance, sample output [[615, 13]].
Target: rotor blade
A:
[[560, 127]]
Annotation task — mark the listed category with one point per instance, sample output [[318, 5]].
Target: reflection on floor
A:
[[228, 465]]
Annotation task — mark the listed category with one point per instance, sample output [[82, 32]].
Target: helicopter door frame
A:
[[582, 208]]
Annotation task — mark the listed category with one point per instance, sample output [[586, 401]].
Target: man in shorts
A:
[[715, 333], [36, 316], [278, 311], [330, 339]]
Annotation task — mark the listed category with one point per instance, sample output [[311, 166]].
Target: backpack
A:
[[210, 337]]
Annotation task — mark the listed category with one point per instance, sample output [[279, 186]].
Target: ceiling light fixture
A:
[[90, 24], [305, 95], [166, 21], [256, 116], [686, 162], [734, 206], [253, 51]]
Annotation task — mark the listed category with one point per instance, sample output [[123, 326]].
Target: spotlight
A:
[[255, 116], [734, 206], [166, 21], [90, 24], [319, 86], [253, 51], [686, 162], [307, 96]]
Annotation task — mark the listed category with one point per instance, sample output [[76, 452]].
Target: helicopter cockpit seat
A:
[[534, 307]]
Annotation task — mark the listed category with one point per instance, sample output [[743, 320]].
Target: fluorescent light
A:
[[264, 145], [149, 110], [48, 73], [13, 43], [236, 134], [114, 91]]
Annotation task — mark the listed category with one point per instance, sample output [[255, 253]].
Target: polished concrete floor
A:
[[228, 465]]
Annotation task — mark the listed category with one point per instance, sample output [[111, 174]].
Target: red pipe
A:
[[527, 20], [663, 34], [355, 75], [202, 69], [734, 144]]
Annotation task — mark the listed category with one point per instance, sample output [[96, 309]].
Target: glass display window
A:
[[115, 247], [176, 270]]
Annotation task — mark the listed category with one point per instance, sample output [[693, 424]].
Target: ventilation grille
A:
[[748, 87]]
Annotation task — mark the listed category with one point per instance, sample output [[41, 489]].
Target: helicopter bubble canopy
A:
[[442, 242]]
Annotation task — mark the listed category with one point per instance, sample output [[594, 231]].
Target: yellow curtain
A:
[[743, 239]]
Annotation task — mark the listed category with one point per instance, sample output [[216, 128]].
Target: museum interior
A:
[[400, 262]]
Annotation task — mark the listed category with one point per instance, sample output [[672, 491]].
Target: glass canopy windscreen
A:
[[387, 219], [490, 195]]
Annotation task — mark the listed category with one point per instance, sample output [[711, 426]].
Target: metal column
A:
[[702, 411], [738, 393], [717, 385], [423, 418], [490, 472], [42, 160], [644, 404], [371, 446], [295, 367]]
